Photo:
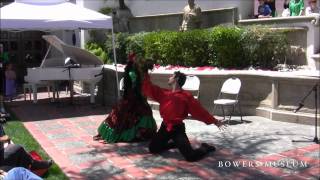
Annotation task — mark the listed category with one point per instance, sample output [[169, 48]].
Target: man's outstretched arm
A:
[[201, 114], [150, 90]]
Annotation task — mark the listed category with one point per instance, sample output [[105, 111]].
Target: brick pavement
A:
[[257, 149]]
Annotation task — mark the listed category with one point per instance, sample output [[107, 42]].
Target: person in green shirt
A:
[[4, 57], [296, 7]]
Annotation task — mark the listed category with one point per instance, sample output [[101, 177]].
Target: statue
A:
[[121, 18], [191, 16]]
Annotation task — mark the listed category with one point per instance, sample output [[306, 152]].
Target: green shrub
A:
[[97, 50], [158, 46], [178, 48], [264, 47], [226, 47], [193, 46], [135, 43], [121, 43]]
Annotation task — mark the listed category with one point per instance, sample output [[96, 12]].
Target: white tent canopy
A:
[[50, 15]]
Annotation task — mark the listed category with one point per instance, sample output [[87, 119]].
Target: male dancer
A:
[[175, 104]]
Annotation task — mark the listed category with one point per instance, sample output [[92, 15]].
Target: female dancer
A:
[[131, 118]]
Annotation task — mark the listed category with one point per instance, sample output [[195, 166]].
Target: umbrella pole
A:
[[115, 63]]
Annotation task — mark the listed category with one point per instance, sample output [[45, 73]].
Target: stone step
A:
[[288, 116]]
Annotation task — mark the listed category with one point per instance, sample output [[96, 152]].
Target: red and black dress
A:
[[130, 119]]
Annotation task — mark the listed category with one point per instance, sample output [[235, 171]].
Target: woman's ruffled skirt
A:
[[144, 129]]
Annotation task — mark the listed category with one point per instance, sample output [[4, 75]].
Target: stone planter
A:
[[269, 94]]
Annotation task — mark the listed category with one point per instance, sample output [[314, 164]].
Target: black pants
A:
[[16, 156], [159, 143]]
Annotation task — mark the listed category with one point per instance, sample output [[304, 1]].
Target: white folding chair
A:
[[121, 86], [192, 84], [228, 96]]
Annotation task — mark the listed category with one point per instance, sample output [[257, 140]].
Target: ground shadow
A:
[[172, 165], [236, 122], [46, 110]]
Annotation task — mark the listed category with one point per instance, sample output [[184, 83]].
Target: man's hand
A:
[[148, 65], [4, 139], [2, 173], [221, 125]]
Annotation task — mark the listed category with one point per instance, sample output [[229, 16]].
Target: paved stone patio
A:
[[256, 149]]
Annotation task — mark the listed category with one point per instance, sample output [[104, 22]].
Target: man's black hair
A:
[[181, 78]]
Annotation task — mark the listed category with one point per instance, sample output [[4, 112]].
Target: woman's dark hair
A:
[[285, 4], [181, 78], [128, 84]]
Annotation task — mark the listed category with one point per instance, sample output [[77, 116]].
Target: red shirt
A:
[[175, 106]]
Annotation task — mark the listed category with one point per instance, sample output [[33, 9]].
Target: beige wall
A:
[[173, 21], [147, 7], [264, 93], [309, 34]]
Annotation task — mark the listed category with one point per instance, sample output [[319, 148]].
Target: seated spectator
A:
[[264, 10], [296, 7], [286, 10], [18, 173], [312, 9], [16, 156], [272, 5]]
